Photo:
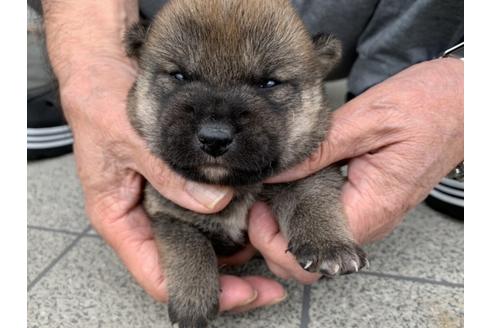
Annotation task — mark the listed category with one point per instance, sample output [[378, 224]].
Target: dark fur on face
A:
[[213, 69], [230, 92]]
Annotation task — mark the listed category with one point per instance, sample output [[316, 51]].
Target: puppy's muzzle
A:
[[215, 138]]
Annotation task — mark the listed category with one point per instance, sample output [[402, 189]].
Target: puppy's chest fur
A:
[[226, 229]]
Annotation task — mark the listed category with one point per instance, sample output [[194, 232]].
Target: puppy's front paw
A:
[[186, 312], [331, 258]]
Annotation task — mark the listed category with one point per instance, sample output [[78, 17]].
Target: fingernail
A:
[[278, 300], [207, 195], [250, 300]]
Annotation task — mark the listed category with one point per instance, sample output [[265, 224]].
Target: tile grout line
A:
[[413, 279], [306, 303], [57, 259], [67, 232]]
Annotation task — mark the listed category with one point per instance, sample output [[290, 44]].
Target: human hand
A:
[[401, 137]]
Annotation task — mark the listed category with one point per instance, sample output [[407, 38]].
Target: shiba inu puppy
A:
[[230, 92]]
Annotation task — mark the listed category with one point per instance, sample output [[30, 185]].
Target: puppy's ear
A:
[[329, 51], [135, 38]]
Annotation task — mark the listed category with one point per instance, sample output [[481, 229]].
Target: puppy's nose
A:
[[215, 138]]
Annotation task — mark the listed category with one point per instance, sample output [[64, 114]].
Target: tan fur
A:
[[303, 122], [214, 173]]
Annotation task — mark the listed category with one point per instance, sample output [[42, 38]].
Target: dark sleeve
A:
[[383, 37], [36, 5]]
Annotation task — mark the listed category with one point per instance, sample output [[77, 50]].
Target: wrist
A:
[[94, 88], [79, 33], [438, 83], [455, 67]]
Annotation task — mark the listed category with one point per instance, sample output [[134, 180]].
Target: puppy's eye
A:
[[268, 83], [179, 76]]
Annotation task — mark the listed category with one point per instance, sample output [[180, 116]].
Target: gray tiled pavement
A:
[[51, 245], [54, 198], [75, 280], [372, 301]]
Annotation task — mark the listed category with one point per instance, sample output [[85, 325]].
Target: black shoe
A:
[[48, 134], [448, 196]]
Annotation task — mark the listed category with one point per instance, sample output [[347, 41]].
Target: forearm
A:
[[77, 31]]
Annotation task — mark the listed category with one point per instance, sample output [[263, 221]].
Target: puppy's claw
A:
[[308, 264], [337, 259], [354, 265]]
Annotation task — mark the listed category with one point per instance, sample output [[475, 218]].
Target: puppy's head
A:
[[230, 92]]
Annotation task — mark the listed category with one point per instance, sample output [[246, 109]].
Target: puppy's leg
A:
[[310, 216], [190, 267]]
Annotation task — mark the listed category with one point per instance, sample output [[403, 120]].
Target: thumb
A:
[[198, 197], [356, 128]]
